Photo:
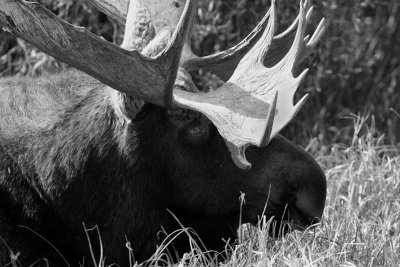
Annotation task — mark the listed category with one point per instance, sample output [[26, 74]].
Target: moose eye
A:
[[196, 132], [192, 128]]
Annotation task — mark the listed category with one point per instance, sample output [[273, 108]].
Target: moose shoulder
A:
[[121, 149]]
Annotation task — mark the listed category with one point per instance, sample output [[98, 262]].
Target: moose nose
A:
[[304, 213], [308, 204], [294, 184]]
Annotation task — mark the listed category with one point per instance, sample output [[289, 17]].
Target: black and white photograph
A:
[[188, 133]]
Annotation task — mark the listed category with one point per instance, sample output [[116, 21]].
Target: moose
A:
[[125, 141]]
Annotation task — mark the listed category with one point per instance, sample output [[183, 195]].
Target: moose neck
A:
[[93, 158]]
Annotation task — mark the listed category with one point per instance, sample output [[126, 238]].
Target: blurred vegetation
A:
[[356, 68]]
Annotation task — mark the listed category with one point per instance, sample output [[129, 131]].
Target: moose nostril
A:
[[303, 220], [309, 198], [306, 210]]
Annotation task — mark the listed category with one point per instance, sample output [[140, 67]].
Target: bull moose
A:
[[125, 139]]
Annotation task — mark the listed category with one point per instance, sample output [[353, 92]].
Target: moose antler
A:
[[223, 63], [249, 109], [243, 109], [126, 71]]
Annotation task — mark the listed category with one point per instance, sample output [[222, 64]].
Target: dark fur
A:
[[65, 159]]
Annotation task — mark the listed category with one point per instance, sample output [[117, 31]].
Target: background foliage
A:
[[356, 68]]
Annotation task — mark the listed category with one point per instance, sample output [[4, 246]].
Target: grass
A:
[[361, 224]]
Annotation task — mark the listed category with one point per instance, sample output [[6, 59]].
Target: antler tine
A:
[[283, 41], [117, 9], [300, 48], [318, 33], [313, 41], [258, 52], [126, 71]]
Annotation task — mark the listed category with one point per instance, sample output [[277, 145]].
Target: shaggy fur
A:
[[66, 158]]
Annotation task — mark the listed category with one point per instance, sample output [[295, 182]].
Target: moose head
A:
[[134, 139]]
